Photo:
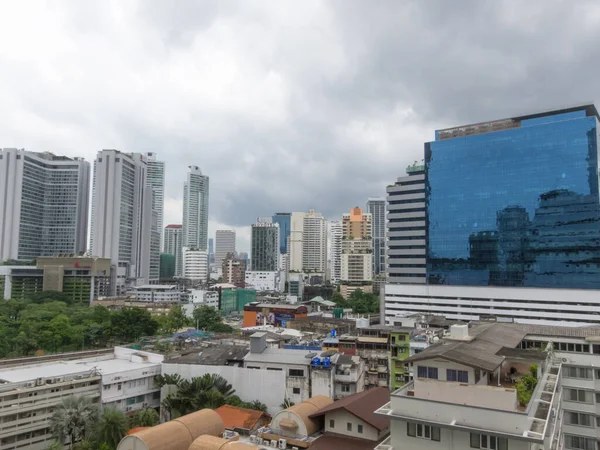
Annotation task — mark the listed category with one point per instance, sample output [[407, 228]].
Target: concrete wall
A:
[[265, 385], [322, 382], [342, 418], [450, 439], [442, 365]]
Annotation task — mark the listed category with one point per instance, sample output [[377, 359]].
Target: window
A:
[[119, 386], [578, 419], [296, 390], [579, 443], [156, 396], [488, 442], [578, 372], [427, 372], [422, 431], [462, 376], [130, 401], [274, 368], [578, 395], [359, 428], [106, 387], [331, 423], [349, 426], [296, 373], [139, 399], [345, 388]]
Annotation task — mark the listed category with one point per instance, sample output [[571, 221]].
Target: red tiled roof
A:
[[174, 226], [236, 417], [363, 406], [331, 441]]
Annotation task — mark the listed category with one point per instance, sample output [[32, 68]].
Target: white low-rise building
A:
[[263, 280], [168, 293], [200, 297], [195, 264], [30, 391]]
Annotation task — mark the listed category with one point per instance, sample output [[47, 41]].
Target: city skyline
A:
[[244, 119]]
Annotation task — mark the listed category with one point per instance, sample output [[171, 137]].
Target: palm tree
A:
[[286, 403], [258, 406], [111, 427], [166, 379], [73, 420], [146, 417]]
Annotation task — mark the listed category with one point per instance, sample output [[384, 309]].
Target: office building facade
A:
[[314, 245], [511, 220], [335, 251], [43, 204], [195, 265], [296, 242], [156, 182], [224, 244], [122, 220], [173, 243], [376, 207], [195, 209], [265, 247]]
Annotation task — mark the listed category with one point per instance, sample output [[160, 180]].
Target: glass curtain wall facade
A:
[[515, 202], [284, 221]]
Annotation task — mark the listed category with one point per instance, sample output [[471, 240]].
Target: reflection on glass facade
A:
[[515, 202]]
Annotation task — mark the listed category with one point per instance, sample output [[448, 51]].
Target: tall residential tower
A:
[[43, 204], [224, 244], [195, 209], [376, 207]]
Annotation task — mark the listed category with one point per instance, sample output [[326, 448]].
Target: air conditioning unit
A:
[[274, 443], [282, 444], [294, 448], [259, 440], [39, 382], [30, 384], [145, 404], [59, 380]]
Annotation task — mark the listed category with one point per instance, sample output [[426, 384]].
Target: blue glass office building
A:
[[284, 221], [515, 202]]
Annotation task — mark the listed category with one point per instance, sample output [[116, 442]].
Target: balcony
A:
[[352, 377], [386, 444]]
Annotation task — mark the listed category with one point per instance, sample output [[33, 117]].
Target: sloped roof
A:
[[236, 417], [331, 441], [321, 301], [363, 406]]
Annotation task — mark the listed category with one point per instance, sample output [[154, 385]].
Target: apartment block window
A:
[[296, 390], [579, 443], [462, 376], [578, 419], [296, 372], [578, 395], [422, 431], [349, 426], [345, 388], [359, 428], [331, 423], [485, 441], [578, 372], [427, 372]]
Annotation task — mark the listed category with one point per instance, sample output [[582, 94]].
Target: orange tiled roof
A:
[[236, 417]]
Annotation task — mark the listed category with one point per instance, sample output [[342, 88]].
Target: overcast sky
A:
[[286, 105]]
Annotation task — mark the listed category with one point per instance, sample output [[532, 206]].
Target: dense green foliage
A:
[[360, 302], [111, 428], [73, 420], [209, 319], [526, 385], [146, 417], [46, 325]]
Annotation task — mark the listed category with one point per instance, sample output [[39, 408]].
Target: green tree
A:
[[129, 324], [207, 391], [206, 316], [55, 445], [258, 406], [286, 403], [167, 379], [146, 417], [73, 419], [111, 427]]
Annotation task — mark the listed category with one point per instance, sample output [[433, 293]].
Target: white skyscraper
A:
[[376, 207], [195, 209], [43, 204], [314, 243], [295, 243], [156, 181], [122, 216], [224, 243], [195, 264], [335, 251]]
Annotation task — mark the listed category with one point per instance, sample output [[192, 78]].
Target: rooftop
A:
[[155, 287], [236, 417], [363, 406], [218, 355], [331, 441], [279, 355]]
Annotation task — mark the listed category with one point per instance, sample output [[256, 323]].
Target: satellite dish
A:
[[310, 355]]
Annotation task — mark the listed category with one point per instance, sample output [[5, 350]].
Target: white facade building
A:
[[158, 293], [335, 251], [195, 209], [314, 245], [30, 390], [43, 204], [357, 260], [224, 243], [263, 280], [156, 182], [195, 264], [295, 244], [122, 222]]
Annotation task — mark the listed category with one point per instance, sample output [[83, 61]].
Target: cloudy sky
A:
[[286, 105]]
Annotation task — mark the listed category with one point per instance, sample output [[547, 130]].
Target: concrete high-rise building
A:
[[504, 213], [156, 181], [376, 207], [172, 245], [314, 243], [211, 250], [195, 264], [335, 251], [265, 247], [234, 270], [224, 244], [295, 241], [122, 224], [284, 221], [357, 248], [43, 204], [195, 209]]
